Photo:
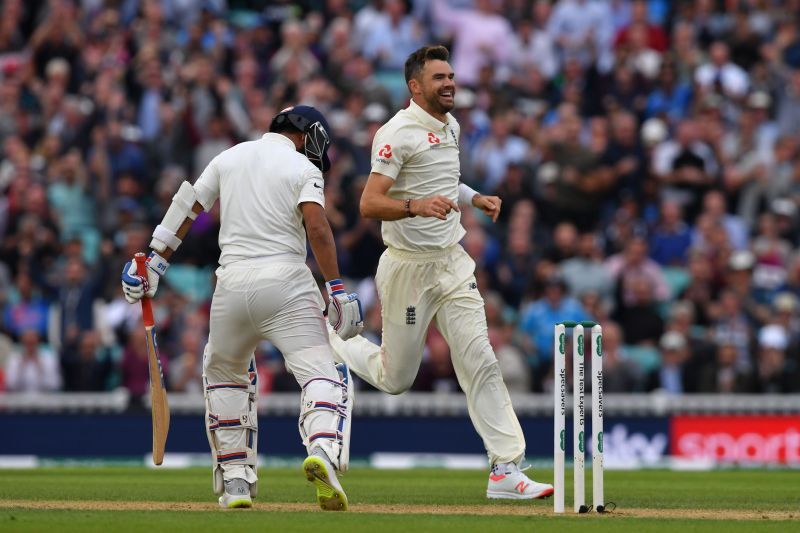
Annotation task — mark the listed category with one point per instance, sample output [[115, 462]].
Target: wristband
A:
[[466, 193], [157, 264], [409, 214], [334, 286]]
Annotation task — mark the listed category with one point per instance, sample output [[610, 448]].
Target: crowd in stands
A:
[[647, 153]]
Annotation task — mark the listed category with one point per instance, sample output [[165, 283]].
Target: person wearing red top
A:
[[656, 36]]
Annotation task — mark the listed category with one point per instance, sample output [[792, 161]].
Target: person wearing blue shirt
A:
[[540, 316]]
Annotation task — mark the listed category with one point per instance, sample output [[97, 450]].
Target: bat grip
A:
[[147, 308]]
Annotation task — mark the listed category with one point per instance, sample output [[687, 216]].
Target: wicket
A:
[[578, 423]]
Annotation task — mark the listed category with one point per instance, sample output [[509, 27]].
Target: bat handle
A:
[[147, 308]]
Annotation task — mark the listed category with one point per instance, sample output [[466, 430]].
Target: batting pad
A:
[[232, 426], [325, 418]]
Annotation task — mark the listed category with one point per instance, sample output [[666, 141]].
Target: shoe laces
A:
[[509, 468]]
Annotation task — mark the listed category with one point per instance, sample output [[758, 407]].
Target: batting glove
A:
[[136, 287], [344, 310]]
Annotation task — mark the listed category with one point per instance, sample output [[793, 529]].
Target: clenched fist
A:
[[436, 206]]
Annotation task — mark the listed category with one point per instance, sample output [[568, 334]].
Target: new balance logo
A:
[[521, 486], [411, 315]]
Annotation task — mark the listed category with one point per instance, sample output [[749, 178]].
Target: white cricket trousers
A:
[[276, 301], [415, 288]]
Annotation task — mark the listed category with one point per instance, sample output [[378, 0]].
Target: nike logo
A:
[[317, 186]]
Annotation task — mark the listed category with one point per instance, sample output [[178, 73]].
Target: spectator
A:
[[788, 108], [512, 271], [625, 154], [686, 166], [655, 36], [620, 374], [187, 367], [533, 46], [481, 37], [671, 238], [294, 56], [29, 311], [671, 97], [32, 368], [77, 294], [639, 315], [716, 209], [513, 365], [537, 319], [632, 265], [721, 375], [393, 37], [87, 364], [105, 110], [582, 182], [732, 325], [583, 29], [134, 367], [774, 373], [720, 75], [499, 150], [585, 272], [673, 377]]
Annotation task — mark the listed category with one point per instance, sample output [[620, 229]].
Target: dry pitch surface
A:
[[474, 510], [131, 499]]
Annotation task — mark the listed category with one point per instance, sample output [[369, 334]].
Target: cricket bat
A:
[[158, 392]]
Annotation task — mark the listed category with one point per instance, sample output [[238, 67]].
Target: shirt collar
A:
[[426, 118], [278, 138]]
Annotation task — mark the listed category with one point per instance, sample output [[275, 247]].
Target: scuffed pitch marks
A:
[[490, 509]]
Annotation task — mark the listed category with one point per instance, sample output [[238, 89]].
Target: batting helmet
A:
[[310, 121]]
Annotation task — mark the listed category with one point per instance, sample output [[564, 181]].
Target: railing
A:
[[418, 404]]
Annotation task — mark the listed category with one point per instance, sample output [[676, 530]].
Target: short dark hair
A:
[[416, 61]]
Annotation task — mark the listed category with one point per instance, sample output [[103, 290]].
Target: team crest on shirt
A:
[[384, 154], [434, 141]]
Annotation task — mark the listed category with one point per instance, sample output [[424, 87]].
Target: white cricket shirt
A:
[[260, 185], [420, 154]]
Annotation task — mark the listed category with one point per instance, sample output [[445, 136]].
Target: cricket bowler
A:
[[425, 275]]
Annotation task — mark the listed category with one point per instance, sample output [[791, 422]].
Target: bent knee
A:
[[395, 389], [397, 385]]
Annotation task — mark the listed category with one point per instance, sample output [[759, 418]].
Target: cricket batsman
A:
[[271, 198], [425, 275]]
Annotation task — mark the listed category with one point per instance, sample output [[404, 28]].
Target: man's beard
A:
[[438, 106]]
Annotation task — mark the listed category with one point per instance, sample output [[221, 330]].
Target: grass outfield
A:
[[132, 499]]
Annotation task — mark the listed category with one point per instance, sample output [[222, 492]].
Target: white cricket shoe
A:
[[320, 472], [507, 481], [236, 495]]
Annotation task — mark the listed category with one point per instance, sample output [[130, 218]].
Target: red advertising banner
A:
[[746, 439]]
